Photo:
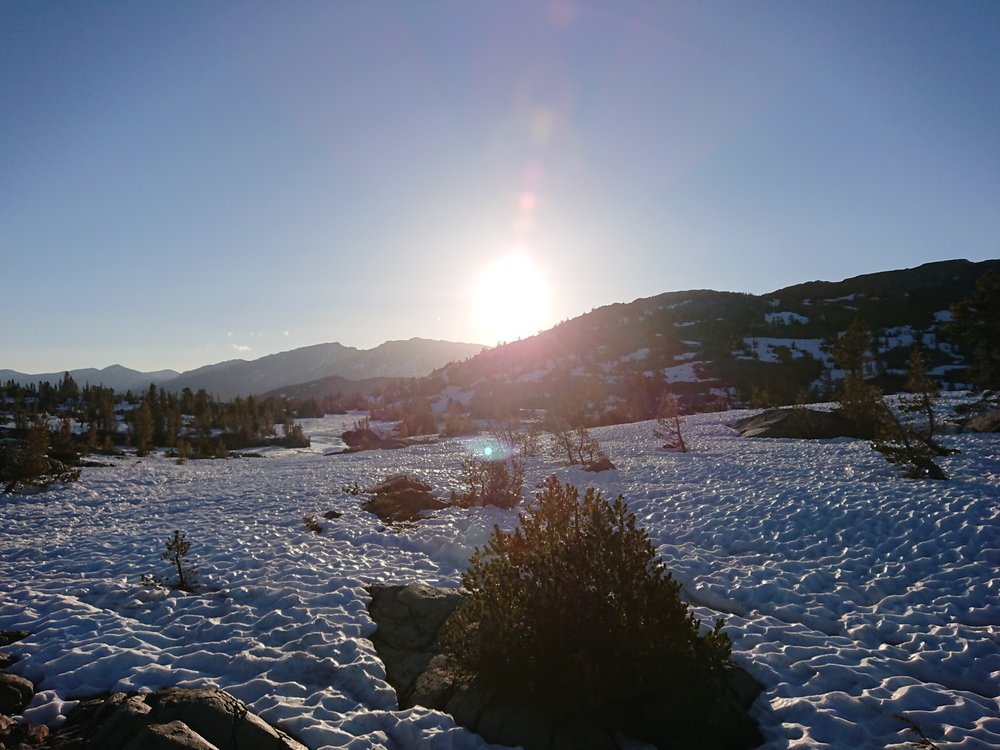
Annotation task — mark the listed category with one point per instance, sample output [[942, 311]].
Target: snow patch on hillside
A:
[[683, 373], [635, 356], [785, 318], [764, 349]]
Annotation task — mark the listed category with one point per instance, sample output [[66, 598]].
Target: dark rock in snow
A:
[[219, 718], [174, 735], [8, 637], [989, 422], [15, 692], [801, 423], [121, 718], [402, 498], [601, 464], [367, 439], [409, 619], [22, 736], [170, 719], [6, 725]]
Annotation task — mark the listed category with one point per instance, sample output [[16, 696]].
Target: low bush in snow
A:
[[581, 449], [491, 482], [509, 433], [575, 612], [668, 424]]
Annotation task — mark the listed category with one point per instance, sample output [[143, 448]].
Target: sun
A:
[[511, 299]]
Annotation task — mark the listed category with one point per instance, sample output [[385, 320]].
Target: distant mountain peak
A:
[[391, 359]]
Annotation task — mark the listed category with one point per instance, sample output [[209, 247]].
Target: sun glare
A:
[[511, 299]]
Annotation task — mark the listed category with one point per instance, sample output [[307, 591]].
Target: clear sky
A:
[[186, 182]]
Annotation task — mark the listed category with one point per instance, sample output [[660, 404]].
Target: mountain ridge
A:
[[238, 377], [712, 349]]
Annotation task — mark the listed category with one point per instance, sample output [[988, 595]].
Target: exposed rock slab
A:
[[802, 423], [989, 422], [15, 692], [402, 498], [170, 719]]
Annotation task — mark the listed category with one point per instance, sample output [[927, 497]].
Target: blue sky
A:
[[183, 183]]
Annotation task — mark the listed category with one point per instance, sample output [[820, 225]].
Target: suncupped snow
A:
[[853, 595]]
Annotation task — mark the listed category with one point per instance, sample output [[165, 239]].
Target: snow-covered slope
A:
[[851, 594]]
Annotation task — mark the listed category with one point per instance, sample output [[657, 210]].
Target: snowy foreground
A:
[[852, 595]]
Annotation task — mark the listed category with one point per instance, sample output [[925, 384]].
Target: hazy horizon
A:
[[183, 184], [249, 358]]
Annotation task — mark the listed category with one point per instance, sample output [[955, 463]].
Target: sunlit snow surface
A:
[[851, 594]]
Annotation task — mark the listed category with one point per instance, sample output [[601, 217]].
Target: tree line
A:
[[95, 418]]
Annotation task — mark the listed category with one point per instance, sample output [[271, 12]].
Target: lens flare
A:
[[488, 448]]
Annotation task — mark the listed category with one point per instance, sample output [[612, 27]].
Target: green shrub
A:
[[176, 553], [574, 611], [294, 436]]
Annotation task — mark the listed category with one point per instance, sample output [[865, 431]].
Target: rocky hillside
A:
[[712, 348]]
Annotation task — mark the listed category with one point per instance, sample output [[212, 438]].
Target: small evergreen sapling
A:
[[177, 548], [913, 444], [860, 401]]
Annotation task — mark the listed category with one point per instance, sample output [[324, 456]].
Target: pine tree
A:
[[923, 389], [976, 321], [142, 428], [36, 460], [861, 402], [177, 548]]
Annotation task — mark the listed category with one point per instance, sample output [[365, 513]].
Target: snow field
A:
[[851, 594]]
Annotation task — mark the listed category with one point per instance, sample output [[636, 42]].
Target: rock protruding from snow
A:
[[15, 692], [365, 439], [801, 423], [169, 719], [409, 619], [402, 498], [8, 637], [989, 422]]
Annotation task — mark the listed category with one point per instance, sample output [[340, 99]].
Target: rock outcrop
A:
[[15, 692], [169, 719], [402, 498], [802, 423], [988, 422]]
